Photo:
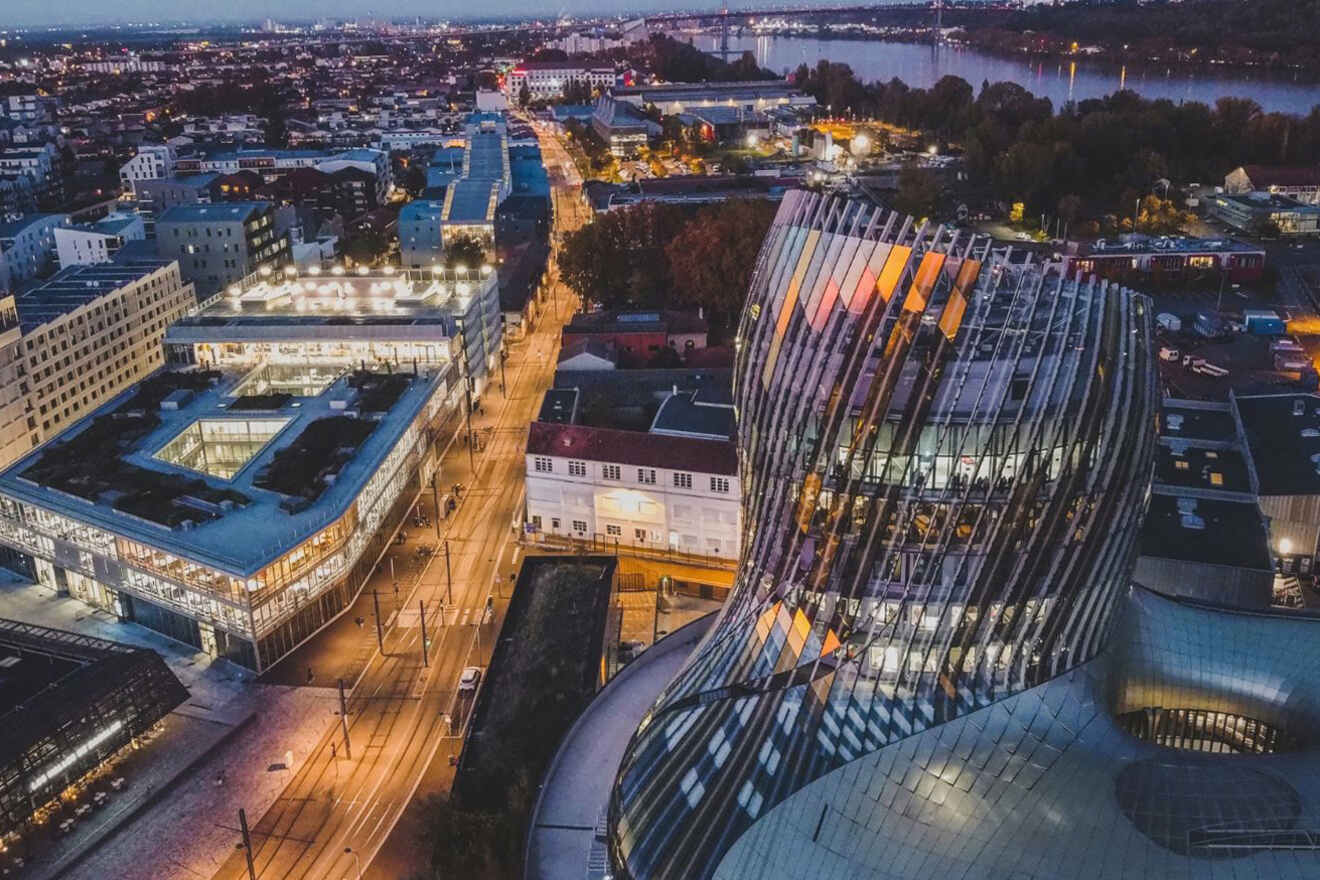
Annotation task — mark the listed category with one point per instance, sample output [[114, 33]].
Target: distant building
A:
[[151, 162], [1301, 182], [622, 125], [25, 108], [546, 80], [97, 242], [420, 243], [1170, 258], [217, 245], [27, 246], [1258, 211], [673, 98]]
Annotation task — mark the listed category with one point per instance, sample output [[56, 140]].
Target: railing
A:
[[614, 546]]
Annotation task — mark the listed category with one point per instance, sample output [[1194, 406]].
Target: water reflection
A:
[[920, 66]]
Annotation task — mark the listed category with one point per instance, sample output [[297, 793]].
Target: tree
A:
[[414, 180], [524, 95], [918, 191], [365, 246], [465, 251]]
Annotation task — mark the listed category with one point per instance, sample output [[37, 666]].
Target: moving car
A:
[[469, 679]]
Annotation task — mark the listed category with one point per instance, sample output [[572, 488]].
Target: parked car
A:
[[469, 679]]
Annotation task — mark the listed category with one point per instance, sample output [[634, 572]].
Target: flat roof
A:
[[241, 540], [688, 414], [222, 212], [471, 200], [76, 286], [1197, 424], [1173, 244], [1222, 470], [1284, 448], [14, 227], [1205, 531], [1260, 200]]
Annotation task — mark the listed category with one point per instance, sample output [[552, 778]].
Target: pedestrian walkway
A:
[[577, 786]]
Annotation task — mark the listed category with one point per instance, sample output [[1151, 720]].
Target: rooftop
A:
[[1186, 467], [636, 322], [1261, 200], [695, 414], [117, 468], [1201, 531], [13, 227], [222, 212], [633, 448], [471, 200], [1283, 175], [1196, 424], [1174, 244], [1282, 433], [76, 286]]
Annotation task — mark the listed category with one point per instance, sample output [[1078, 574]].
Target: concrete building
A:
[[1300, 182], [674, 98], [217, 245], [420, 242], [621, 125], [79, 339], [25, 108], [547, 80], [27, 246], [227, 516], [97, 242], [1259, 212]]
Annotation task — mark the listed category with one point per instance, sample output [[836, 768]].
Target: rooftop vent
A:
[[1299, 407]]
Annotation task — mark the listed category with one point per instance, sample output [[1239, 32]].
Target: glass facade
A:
[[945, 456]]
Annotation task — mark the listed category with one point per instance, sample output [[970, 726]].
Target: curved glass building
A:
[[946, 455]]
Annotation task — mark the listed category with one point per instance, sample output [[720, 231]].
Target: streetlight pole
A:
[[343, 717], [246, 844], [348, 851], [380, 636], [449, 578], [435, 501], [421, 608]]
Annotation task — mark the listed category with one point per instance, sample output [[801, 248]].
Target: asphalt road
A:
[[337, 811]]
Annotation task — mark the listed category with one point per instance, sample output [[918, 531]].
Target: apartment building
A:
[[77, 340], [27, 246], [97, 242], [219, 244], [153, 161]]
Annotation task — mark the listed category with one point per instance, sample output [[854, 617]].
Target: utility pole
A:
[[343, 717], [247, 844], [449, 578], [435, 500], [724, 32], [421, 608], [380, 636]]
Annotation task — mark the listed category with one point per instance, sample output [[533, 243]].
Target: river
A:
[[1061, 81]]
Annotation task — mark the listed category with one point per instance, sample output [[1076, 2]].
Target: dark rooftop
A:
[[1195, 423], [1212, 532], [1224, 470], [1283, 439], [689, 415], [633, 448]]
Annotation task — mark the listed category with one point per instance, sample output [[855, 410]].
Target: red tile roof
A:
[[633, 448]]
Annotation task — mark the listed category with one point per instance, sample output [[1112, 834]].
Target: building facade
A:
[[216, 245], [547, 80], [27, 245], [944, 463], [1264, 213], [97, 242]]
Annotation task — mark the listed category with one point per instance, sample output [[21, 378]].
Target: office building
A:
[[1264, 213], [219, 244], [97, 242], [945, 460], [547, 80], [1170, 259]]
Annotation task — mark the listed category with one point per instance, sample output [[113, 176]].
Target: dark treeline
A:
[[1269, 32], [1096, 157]]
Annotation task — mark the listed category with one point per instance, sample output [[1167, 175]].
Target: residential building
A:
[[1264, 213], [157, 195], [547, 80], [25, 108], [420, 242], [83, 337], [97, 242], [1300, 182], [641, 460], [151, 162], [637, 335], [27, 246], [217, 245], [1170, 258]]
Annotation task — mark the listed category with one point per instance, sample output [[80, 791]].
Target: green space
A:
[[544, 672]]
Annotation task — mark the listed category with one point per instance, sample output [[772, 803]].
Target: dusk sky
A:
[[74, 12]]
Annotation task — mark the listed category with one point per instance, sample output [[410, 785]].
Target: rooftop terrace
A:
[[190, 462]]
